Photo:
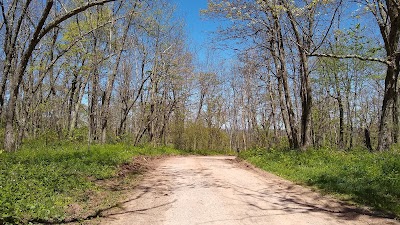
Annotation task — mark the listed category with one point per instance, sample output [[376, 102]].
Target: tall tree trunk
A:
[[384, 139], [303, 46], [390, 32], [93, 108], [279, 57], [111, 79], [153, 94]]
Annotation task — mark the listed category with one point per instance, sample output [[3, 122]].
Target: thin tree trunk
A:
[[273, 110], [368, 139], [341, 112], [284, 113], [77, 105], [110, 82]]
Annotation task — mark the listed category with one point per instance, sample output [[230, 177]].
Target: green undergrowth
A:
[[204, 152], [371, 179], [39, 183]]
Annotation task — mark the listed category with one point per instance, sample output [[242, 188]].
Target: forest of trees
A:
[[309, 73]]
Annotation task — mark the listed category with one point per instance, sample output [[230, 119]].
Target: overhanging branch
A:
[[362, 58], [69, 14]]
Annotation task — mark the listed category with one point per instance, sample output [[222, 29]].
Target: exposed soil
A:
[[219, 190], [111, 192]]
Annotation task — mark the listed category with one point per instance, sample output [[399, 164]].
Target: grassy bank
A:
[[372, 179], [49, 183]]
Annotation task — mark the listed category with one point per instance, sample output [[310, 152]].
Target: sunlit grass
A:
[[368, 178], [38, 182]]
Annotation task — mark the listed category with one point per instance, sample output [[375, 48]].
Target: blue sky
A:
[[198, 29]]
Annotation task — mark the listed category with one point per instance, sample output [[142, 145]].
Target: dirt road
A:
[[217, 190]]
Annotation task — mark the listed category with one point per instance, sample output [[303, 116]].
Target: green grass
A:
[[371, 179], [38, 183]]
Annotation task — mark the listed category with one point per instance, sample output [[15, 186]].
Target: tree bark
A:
[[390, 32], [384, 139], [368, 139]]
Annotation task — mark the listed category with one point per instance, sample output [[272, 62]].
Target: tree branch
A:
[[3, 13], [362, 58], [70, 14], [329, 27]]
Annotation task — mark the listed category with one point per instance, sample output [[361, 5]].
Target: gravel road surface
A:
[[218, 190]]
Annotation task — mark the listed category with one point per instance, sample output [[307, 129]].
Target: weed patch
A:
[[50, 184], [371, 179]]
